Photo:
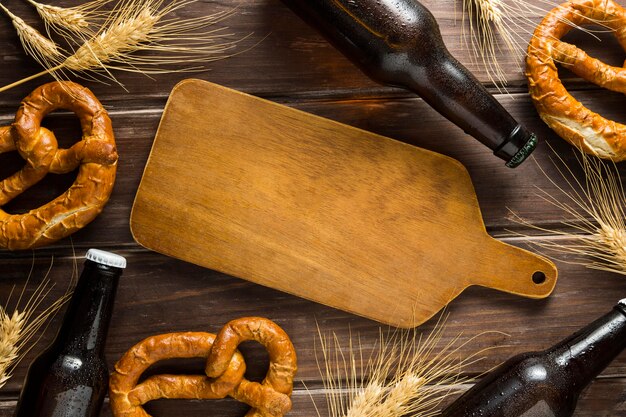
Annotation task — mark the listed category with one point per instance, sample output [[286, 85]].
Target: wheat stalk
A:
[[144, 25], [19, 327], [596, 205], [34, 43], [407, 375]]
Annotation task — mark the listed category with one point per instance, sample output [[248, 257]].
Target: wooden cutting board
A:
[[319, 209]]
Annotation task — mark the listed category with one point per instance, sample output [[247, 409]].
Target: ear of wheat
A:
[[34, 43], [19, 327], [595, 235], [143, 26], [68, 21], [406, 375]]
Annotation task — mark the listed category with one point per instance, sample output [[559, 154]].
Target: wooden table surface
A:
[[284, 60]]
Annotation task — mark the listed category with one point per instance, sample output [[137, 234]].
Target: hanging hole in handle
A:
[[539, 277]]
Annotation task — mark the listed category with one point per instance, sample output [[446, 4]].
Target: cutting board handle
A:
[[516, 271]]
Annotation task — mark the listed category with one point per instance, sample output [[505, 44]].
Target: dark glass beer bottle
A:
[[548, 383], [70, 378], [398, 42]]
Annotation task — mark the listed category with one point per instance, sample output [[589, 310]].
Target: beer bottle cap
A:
[[106, 258]]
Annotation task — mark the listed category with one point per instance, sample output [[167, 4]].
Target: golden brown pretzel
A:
[[95, 155], [282, 369], [562, 112], [268, 399]]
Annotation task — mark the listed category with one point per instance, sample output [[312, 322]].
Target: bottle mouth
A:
[[524, 151], [517, 147], [106, 258]]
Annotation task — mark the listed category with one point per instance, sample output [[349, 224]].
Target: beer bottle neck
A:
[[587, 352], [86, 320]]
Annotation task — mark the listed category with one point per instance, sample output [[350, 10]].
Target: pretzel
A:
[[224, 370], [95, 155], [558, 109]]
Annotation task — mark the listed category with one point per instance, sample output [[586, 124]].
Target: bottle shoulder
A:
[[75, 366], [525, 385], [537, 367]]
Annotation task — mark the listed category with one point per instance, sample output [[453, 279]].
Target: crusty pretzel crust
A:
[[562, 112], [95, 156], [225, 370]]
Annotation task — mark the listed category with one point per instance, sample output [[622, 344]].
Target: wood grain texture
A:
[[501, 191], [283, 56], [286, 196], [286, 61], [160, 295]]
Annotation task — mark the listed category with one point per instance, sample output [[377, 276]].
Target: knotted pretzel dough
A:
[[95, 155], [562, 112], [224, 371]]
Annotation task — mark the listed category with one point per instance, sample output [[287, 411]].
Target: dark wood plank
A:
[[604, 398], [159, 295], [285, 60], [501, 191], [281, 55]]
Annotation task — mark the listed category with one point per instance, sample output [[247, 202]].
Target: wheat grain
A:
[[11, 329], [121, 38], [595, 234], [68, 18], [44, 50], [71, 19], [18, 329]]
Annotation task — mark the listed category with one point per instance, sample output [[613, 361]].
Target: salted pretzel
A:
[[562, 112], [225, 370], [95, 156]]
